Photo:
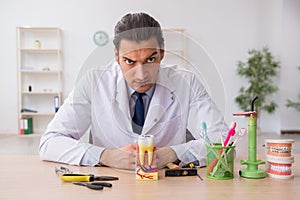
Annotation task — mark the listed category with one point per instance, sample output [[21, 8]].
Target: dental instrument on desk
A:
[[187, 170], [69, 176], [252, 170], [94, 185]]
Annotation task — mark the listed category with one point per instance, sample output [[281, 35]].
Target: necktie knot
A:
[[139, 95]]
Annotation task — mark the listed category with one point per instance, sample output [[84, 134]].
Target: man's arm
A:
[[201, 108], [61, 141]]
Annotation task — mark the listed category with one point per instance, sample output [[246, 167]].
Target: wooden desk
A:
[[27, 177]]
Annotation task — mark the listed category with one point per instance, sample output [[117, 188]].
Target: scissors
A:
[[69, 176], [94, 185]]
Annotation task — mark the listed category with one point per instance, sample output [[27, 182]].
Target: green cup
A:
[[220, 162]]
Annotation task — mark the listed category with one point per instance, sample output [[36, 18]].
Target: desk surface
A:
[[27, 177]]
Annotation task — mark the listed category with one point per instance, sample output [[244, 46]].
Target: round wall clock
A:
[[100, 38]]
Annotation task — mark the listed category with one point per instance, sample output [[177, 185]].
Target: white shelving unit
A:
[[174, 46], [39, 67]]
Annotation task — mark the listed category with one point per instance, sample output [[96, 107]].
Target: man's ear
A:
[[162, 52], [116, 55]]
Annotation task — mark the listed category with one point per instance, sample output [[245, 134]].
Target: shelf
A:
[[48, 93], [50, 51], [28, 28], [37, 114], [34, 134], [32, 71], [39, 67]]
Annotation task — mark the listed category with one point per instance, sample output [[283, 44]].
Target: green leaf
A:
[[293, 104], [259, 69]]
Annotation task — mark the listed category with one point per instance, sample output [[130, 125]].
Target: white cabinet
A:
[[39, 67]]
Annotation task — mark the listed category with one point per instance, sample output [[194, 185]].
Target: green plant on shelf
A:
[[260, 69], [294, 104]]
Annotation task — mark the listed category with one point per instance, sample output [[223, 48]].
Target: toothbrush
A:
[[231, 133], [242, 132], [204, 127]]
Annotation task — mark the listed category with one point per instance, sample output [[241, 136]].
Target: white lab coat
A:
[[100, 101]]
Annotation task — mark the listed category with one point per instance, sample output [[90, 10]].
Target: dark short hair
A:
[[137, 27]]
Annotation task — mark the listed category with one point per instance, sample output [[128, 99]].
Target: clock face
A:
[[100, 38]]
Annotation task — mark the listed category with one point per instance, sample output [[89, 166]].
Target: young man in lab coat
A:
[[104, 100]]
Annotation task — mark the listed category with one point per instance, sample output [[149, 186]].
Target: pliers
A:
[[69, 176], [94, 185]]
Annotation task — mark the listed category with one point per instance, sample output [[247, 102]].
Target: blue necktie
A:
[[139, 110]]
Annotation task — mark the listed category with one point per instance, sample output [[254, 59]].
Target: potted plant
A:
[[259, 69]]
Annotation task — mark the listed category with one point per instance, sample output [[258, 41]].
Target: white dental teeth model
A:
[[146, 145]]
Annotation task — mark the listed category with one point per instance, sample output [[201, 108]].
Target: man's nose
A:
[[140, 72]]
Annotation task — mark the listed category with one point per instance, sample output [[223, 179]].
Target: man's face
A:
[[139, 62]]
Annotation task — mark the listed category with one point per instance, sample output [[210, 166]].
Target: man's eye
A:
[[128, 62], [151, 60]]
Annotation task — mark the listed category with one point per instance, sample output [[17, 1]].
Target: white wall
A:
[[226, 29], [290, 59]]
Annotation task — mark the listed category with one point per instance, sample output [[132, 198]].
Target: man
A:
[[133, 95]]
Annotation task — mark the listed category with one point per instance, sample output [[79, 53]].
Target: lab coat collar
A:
[[162, 99], [120, 103]]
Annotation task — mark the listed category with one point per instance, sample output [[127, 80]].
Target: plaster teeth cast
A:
[[280, 169], [146, 145], [279, 147], [278, 154]]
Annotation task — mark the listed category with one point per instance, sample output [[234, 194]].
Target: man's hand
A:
[[122, 158], [164, 156], [125, 157]]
